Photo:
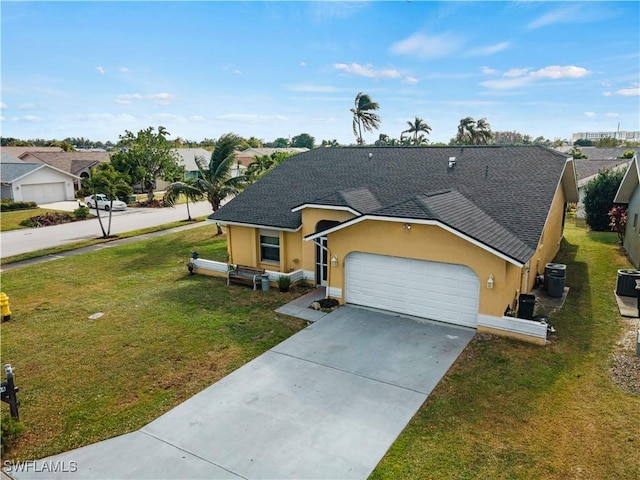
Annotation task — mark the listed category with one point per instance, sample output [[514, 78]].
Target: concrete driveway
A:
[[326, 403]]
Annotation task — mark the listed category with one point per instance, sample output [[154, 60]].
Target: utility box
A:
[[555, 287], [264, 281], [558, 269], [526, 304]]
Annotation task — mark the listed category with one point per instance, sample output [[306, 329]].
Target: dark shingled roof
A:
[[589, 168], [498, 195]]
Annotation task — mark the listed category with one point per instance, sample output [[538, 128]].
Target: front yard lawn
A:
[[509, 410], [11, 220], [506, 409], [164, 336]]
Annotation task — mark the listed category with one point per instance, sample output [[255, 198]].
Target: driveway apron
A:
[[327, 403]]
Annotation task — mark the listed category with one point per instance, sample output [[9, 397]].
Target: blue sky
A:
[[278, 69]]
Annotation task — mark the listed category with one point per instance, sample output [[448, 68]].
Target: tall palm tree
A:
[[216, 182], [187, 188], [416, 127], [363, 116], [105, 179], [465, 131], [482, 133]]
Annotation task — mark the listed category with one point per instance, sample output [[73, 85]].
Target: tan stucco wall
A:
[[244, 249], [427, 242], [549, 244]]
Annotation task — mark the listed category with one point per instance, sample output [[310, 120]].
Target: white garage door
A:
[[438, 291], [44, 192]]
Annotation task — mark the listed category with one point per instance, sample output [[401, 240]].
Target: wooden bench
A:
[[245, 275]]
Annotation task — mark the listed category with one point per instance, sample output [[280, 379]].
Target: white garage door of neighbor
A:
[[44, 192], [438, 291]]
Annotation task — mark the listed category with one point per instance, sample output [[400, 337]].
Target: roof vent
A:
[[452, 161], [370, 155]]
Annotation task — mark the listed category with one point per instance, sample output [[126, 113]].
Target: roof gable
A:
[[630, 182]]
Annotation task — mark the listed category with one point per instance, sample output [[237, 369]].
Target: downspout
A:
[[526, 276]]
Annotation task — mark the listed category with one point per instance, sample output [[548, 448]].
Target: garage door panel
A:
[[438, 291], [44, 192]]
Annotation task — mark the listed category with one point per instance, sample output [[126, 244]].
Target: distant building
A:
[[618, 135]]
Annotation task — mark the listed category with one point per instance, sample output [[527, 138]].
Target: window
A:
[[269, 246]]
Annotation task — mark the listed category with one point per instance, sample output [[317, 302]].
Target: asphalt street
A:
[[27, 240]]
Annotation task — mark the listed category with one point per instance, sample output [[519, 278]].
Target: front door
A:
[[322, 252], [322, 257]]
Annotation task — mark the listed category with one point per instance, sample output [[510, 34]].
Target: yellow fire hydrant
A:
[[4, 306]]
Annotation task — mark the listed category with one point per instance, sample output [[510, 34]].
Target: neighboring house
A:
[[629, 193], [587, 170], [35, 182], [246, 157], [17, 151], [78, 164], [453, 234], [599, 153]]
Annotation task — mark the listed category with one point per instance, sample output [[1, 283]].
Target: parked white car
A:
[[101, 201]]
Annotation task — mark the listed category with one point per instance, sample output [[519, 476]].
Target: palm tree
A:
[[465, 131], [482, 133], [216, 182], [416, 127], [187, 188], [105, 179], [363, 117]]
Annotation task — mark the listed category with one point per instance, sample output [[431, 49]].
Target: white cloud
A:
[[516, 72], [237, 72], [607, 94], [426, 47], [197, 118], [501, 84], [410, 80], [101, 70], [124, 69], [488, 71], [366, 70], [168, 117], [629, 92], [562, 15], [125, 99], [519, 77], [612, 115], [28, 106], [557, 71], [489, 49], [590, 114], [2, 119], [26, 119], [162, 98], [3, 105], [303, 64]]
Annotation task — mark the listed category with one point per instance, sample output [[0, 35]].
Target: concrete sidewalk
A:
[[326, 403]]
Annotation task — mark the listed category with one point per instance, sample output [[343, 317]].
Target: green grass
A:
[[96, 241], [509, 410], [164, 336], [11, 220]]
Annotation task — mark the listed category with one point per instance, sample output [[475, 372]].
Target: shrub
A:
[[9, 205], [81, 213], [11, 431], [598, 200]]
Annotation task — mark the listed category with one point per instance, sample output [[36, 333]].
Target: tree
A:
[[147, 156], [188, 188], [264, 163], [598, 200], [583, 143], [304, 140], [607, 142], [280, 142], [363, 116], [628, 154], [107, 180], [576, 153], [330, 143], [216, 182], [471, 132], [254, 142], [415, 127]]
